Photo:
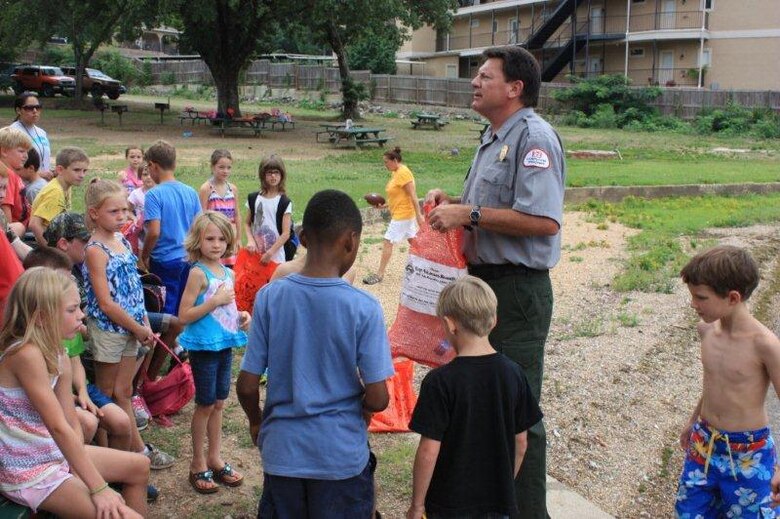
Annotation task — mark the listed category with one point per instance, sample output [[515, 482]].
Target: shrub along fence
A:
[[446, 92]]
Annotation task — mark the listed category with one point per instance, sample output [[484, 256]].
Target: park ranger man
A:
[[512, 208]]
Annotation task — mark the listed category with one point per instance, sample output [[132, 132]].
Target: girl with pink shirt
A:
[[130, 177]]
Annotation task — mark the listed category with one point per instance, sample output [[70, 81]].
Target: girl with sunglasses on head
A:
[[28, 114]]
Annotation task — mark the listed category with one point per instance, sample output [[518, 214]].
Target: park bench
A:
[[432, 121], [379, 140]]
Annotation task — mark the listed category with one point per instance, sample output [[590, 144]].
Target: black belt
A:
[[489, 272]]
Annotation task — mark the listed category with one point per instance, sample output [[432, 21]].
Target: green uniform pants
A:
[[525, 303]]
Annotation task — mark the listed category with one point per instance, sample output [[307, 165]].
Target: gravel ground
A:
[[622, 369]]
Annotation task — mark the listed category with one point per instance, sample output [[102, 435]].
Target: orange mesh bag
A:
[[435, 260], [402, 401], [251, 276]]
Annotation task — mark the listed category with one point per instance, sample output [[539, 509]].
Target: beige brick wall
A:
[[750, 63], [731, 15]]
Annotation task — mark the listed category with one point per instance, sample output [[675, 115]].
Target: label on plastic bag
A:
[[424, 281]]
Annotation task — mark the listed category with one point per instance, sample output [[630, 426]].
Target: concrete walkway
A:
[[564, 503]]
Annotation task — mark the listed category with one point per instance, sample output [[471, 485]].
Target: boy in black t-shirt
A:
[[472, 415]]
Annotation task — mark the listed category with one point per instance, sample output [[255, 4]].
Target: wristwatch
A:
[[475, 215]]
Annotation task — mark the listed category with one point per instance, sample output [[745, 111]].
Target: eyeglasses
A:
[[30, 108]]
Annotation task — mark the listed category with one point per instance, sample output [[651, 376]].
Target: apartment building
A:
[[717, 44]]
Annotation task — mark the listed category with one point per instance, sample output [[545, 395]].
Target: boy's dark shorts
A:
[[285, 497], [211, 371], [97, 396]]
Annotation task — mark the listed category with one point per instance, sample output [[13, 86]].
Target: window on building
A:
[[452, 71], [637, 52], [709, 4], [637, 1], [706, 57], [512, 30], [474, 22]]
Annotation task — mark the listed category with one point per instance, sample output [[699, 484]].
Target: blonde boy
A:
[[730, 454], [472, 416], [14, 145], [55, 197]]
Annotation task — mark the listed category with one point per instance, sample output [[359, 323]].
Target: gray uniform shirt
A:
[[520, 167]]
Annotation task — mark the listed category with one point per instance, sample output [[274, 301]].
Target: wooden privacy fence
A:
[[436, 91]]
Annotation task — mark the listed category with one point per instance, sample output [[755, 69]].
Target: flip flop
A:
[[227, 471], [207, 476]]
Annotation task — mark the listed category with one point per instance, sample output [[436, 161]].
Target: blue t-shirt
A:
[[175, 205], [315, 335]]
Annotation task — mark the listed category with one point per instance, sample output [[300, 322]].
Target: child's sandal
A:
[[227, 476], [206, 476]]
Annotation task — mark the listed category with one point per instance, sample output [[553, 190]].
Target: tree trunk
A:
[[226, 81], [348, 93]]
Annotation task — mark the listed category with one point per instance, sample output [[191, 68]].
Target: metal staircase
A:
[[551, 24]]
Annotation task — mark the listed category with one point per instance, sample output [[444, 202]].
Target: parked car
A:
[[47, 81], [97, 83], [6, 70]]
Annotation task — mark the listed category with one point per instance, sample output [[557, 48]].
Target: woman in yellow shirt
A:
[[405, 214]]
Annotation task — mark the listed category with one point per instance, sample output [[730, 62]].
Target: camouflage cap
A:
[[68, 226]]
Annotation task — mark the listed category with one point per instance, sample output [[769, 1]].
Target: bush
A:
[[199, 93], [111, 62], [168, 78], [57, 55], [736, 120], [146, 77], [588, 94], [591, 97], [659, 123]]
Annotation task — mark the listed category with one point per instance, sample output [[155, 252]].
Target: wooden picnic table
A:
[[425, 120], [247, 123], [355, 136]]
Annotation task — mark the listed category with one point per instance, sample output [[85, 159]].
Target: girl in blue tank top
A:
[[213, 326]]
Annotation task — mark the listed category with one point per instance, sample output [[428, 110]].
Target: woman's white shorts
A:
[[400, 230]]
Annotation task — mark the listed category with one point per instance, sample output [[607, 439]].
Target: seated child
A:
[[55, 197], [14, 145], [730, 454], [29, 173], [93, 408], [472, 415], [45, 464], [312, 434]]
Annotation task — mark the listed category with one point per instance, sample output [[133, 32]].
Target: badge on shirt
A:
[[536, 158], [504, 151]]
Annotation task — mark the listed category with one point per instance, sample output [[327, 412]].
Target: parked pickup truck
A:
[[97, 83], [47, 81]]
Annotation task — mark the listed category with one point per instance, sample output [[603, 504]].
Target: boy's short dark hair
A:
[[519, 65], [48, 257], [68, 156], [471, 303], [163, 154], [33, 159], [723, 268], [330, 213]]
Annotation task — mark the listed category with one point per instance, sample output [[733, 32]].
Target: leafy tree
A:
[[341, 23], [224, 33], [14, 33], [87, 24], [375, 52]]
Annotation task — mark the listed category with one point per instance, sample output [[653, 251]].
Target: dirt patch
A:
[[622, 375]]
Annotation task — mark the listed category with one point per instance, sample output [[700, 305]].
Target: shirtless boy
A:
[[730, 454]]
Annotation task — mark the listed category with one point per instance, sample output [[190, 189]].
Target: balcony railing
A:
[[674, 20], [594, 26]]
